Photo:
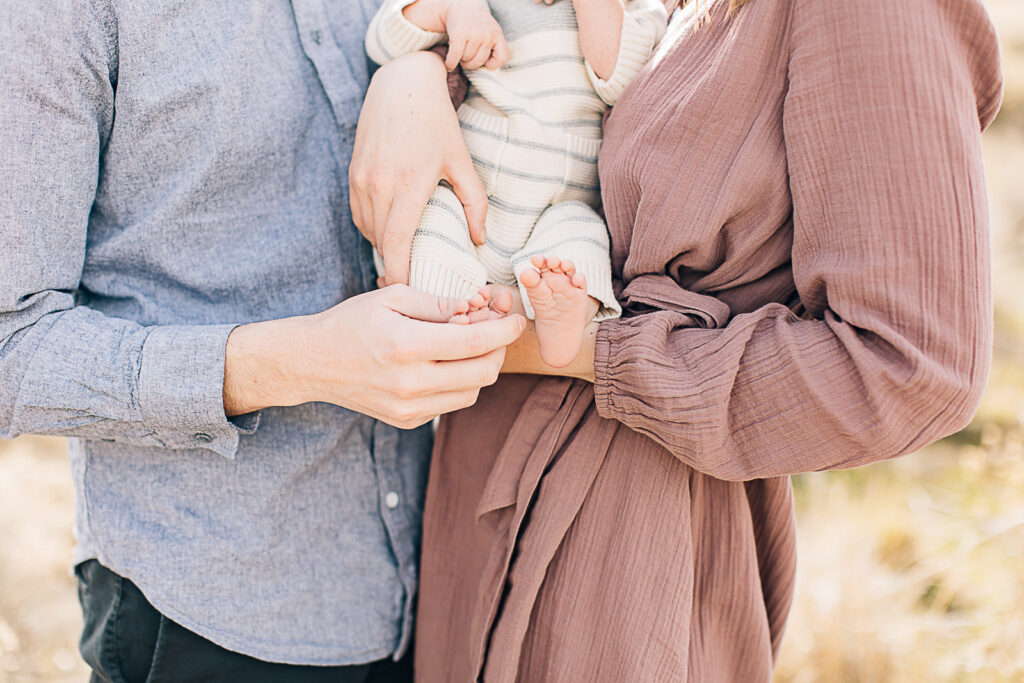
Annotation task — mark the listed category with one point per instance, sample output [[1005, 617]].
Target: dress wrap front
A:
[[799, 227]]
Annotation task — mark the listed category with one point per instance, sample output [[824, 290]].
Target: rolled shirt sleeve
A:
[[66, 369]]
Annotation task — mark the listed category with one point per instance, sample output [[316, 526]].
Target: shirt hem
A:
[[274, 655]]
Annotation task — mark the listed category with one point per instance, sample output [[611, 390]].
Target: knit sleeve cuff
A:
[[390, 34], [643, 25]]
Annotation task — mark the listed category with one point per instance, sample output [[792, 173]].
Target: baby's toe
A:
[[502, 302], [529, 278]]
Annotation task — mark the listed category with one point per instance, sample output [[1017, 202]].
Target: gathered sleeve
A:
[[882, 124]]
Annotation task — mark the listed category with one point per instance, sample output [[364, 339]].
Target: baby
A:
[[541, 78]]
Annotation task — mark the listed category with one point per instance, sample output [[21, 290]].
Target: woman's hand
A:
[[408, 139]]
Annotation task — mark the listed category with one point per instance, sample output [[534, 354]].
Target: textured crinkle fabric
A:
[[800, 156]]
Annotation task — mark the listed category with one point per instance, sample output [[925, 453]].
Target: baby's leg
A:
[[565, 276], [561, 307], [443, 259]]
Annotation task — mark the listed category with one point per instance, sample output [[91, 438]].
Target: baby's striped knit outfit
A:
[[533, 130]]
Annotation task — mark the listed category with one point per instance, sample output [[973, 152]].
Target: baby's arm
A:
[[618, 40], [401, 26], [600, 23]]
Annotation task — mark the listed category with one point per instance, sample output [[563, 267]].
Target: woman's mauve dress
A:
[[812, 156]]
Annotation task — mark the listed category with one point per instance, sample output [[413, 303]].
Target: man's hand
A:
[[389, 354], [408, 139]]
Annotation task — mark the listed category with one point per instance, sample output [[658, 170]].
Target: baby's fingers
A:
[[456, 48], [475, 55], [499, 55]]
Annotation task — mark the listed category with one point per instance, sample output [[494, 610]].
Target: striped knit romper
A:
[[533, 130]]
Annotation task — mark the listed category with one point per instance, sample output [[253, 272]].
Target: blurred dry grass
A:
[[39, 617], [910, 571], [913, 570]]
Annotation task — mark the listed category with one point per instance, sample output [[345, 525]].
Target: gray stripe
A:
[[579, 218], [484, 76], [380, 43], [539, 61], [505, 251], [426, 232], [527, 255], [457, 215], [572, 123], [519, 18], [515, 208], [528, 144], [532, 176]]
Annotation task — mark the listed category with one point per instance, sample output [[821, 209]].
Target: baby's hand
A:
[[474, 38]]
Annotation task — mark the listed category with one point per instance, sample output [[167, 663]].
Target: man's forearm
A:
[[261, 366], [389, 354], [600, 27]]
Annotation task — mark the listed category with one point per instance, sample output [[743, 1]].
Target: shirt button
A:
[[316, 35], [391, 500], [205, 438]]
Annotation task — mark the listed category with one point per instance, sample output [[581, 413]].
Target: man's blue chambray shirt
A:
[[169, 170]]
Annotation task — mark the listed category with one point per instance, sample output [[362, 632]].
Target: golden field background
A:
[[910, 571]]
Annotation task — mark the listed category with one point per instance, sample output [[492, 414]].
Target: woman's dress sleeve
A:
[[882, 124]]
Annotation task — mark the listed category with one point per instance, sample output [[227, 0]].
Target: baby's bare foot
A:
[[561, 307], [492, 301]]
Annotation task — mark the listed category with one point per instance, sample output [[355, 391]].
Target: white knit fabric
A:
[[533, 129]]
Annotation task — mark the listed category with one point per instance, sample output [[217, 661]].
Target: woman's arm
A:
[[882, 129], [523, 355], [408, 139]]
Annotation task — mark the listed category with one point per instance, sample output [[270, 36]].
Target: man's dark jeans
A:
[[125, 640]]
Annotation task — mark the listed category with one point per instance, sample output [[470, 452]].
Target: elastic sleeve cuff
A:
[[602, 370], [642, 28], [391, 34], [181, 389]]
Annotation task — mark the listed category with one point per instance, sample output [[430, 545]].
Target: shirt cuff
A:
[[181, 389]]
